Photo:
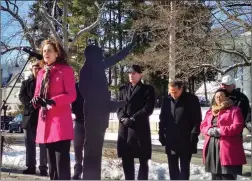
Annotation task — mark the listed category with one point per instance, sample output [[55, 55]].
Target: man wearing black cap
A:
[[134, 136], [29, 124]]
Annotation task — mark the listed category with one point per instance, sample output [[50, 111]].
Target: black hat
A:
[[135, 68]]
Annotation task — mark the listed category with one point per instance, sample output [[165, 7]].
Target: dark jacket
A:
[[240, 100], [180, 123], [77, 106], [248, 121], [26, 94], [135, 141]]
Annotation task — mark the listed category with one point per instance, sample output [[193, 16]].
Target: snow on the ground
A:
[[155, 141], [111, 168], [154, 117]]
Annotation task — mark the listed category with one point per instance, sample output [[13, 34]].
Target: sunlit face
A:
[[35, 70], [134, 77], [220, 97], [49, 54], [76, 77], [175, 92], [229, 88]]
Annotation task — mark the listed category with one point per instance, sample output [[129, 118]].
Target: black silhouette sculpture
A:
[[93, 87]]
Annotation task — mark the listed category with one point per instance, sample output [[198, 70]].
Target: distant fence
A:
[[154, 119], [114, 123]]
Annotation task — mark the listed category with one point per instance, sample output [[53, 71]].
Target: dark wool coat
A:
[[180, 123], [135, 140]]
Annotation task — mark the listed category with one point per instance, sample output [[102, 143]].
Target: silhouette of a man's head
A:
[[93, 53]]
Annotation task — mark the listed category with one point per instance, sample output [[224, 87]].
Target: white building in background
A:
[[13, 99], [211, 87], [242, 75]]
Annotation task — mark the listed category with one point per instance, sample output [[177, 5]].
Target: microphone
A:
[[33, 54]]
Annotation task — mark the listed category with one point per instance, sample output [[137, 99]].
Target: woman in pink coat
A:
[[223, 153], [55, 91]]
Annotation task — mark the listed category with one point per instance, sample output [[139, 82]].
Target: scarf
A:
[[45, 88], [224, 105]]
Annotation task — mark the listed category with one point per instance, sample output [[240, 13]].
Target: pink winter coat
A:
[[231, 124], [58, 124]]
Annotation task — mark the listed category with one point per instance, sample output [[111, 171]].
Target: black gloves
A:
[[38, 101], [42, 102], [127, 121], [162, 139], [49, 102]]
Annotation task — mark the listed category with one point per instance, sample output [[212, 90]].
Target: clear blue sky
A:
[[9, 28]]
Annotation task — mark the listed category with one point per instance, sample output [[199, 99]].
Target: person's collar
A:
[[137, 84], [54, 65], [179, 98]]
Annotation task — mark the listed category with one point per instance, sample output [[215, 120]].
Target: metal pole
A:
[[251, 75], [1, 106], [1, 133]]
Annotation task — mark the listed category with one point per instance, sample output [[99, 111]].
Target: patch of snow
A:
[[247, 146], [154, 117], [155, 141], [111, 168]]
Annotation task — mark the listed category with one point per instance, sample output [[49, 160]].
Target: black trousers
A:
[[176, 173], [58, 154], [129, 168], [224, 177], [92, 153], [30, 145]]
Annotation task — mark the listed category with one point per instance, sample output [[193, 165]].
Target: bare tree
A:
[[231, 34], [12, 8], [203, 35], [157, 21]]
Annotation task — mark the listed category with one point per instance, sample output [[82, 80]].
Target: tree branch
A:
[[226, 70], [15, 6], [241, 55], [234, 18], [238, 4], [50, 18], [8, 49], [54, 8], [94, 24], [50, 24], [21, 22]]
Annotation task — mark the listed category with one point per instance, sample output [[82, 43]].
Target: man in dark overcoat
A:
[[29, 124], [179, 128], [134, 137]]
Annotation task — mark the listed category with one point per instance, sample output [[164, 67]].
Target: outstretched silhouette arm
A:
[[114, 59]]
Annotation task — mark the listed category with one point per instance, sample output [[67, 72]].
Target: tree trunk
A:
[[115, 50], [122, 80], [172, 63], [64, 26], [193, 85], [205, 87], [109, 44], [120, 39]]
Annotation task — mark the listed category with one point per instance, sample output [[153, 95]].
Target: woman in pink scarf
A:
[[54, 93], [223, 152]]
